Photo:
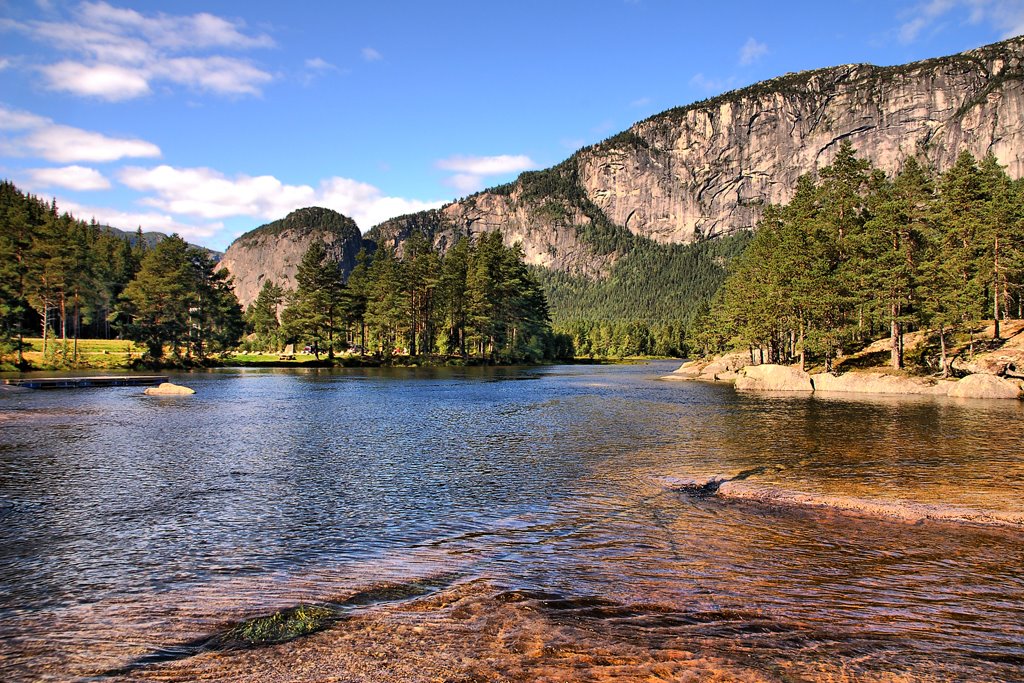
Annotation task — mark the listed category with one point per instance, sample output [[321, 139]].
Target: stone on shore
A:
[[985, 386], [877, 383], [719, 368], [773, 378], [168, 389]]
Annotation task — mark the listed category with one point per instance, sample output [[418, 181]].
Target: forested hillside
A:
[[647, 302]]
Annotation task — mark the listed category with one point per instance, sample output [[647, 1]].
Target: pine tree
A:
[[262, 316], [387, 303], [998, 236], [157, 302], [317, 306]]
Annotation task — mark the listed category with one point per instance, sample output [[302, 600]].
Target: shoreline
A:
[[769, 378]]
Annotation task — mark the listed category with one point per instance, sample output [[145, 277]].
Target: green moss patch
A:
[[276, 628]]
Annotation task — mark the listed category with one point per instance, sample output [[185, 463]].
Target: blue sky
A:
[[210, 118]]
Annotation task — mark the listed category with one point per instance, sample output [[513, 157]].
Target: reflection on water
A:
[[131, 526]]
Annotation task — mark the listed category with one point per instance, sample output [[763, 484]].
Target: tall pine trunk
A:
[[942, 346], [895, 337], [995, 290]]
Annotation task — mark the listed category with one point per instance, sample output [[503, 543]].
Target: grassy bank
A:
[[118, 354], [99, 354]]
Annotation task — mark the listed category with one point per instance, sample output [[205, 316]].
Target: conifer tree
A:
[[262, 315]]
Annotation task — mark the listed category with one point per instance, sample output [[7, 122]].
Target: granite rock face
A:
[[770, 377], [986, 386], [878, 383], [274, 251], [709, 168]]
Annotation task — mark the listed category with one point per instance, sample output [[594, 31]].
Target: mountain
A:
[[708, 169], [274, 250], [151, 239]]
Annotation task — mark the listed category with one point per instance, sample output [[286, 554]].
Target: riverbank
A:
[[122, 355], [991, 374]]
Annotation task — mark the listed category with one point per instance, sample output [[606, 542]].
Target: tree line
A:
[[477, 301], [857, 254], [64, 279]]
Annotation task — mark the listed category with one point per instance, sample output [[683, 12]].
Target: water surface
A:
[[531, 517]]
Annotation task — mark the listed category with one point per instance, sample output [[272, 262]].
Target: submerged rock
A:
[[985, 386], [773, 378], [168, 389]]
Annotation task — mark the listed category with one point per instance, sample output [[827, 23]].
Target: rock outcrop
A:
[[274, 251], [878, 383], [168, 389], [709, 168], [1005, 361], [770, 377], [719, 368], [985, 386], [773, 378]]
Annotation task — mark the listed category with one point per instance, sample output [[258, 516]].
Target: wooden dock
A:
[[86, 382]]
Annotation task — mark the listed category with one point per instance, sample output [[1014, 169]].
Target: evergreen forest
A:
[[857, 255], [63, 279], [478, 301]]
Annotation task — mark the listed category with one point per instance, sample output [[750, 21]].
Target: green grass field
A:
[[92, 353]]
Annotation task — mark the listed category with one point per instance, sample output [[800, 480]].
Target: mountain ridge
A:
[[707, 168]]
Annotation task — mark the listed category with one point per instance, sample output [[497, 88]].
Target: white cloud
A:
[[209, 194], [316, 67], [366, 203], [712, 85], [201, 30], [319, 64], [371, 55], [1005, 16], [106, 81], [465, 183], [147, 220], [72, 177], [925, 14], [502, 163], [11, 119], [4, 63], [752, 51], [67, 144], [470, 170], [223, 75], [122, 52]]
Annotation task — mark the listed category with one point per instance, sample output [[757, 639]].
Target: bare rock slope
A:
[[709, 168], [274, 251]]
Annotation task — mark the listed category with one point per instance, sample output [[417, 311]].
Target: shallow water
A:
[[530, 516]]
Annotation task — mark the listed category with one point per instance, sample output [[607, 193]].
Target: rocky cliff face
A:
[[708, 169], [273, 251]]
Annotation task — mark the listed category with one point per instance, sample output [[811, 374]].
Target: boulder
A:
[[985, 386], [773, 378], [722, 368], [168, 389], [877, 383]]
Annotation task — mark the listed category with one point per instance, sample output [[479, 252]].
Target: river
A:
[[507, 524]]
